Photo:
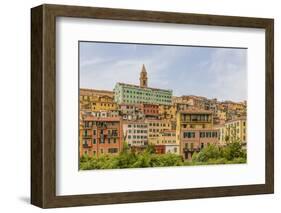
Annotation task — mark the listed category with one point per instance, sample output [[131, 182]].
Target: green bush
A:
[[234, 150], [207, 153], [232, 153]]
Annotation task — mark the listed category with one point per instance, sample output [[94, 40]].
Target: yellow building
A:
[[156, 126], [222, 131], [195, 119], [167, 112], [167, 138], [236, 130], [103, 103], [96, 100], [221, 114]]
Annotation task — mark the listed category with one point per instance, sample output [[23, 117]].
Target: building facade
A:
[[150, 110], [101, 136], [222, 132], [106, 113], [236, 130], [95, 100], [135, 134], [155, 127], [131, 111], [137, 94], [195, 131], [168, 112], [167, 138]]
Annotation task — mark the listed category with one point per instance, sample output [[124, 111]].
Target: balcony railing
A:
[[85, 146], [86, 136], [191, 149], [112, 135]]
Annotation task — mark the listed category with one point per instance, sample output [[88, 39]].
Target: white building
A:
[[135, 133]]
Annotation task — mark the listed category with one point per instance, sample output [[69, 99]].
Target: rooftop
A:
[[139, 87], [196, 111], [93, 118], [236, 119], [95, 90]]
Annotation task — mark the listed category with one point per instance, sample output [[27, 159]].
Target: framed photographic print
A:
[[137, 106]]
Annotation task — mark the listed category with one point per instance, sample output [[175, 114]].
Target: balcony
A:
[[191, 149], [87, 136], [87, 127], [112, 136], [86, 146]]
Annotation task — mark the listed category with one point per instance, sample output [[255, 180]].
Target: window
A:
[[102, 140], [202, 134], [112, 150], [94, 141], [94, 132], [114, 140], [189, 134]]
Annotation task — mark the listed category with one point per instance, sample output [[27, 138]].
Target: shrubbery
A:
[[130, 159], [211, 154], [231, 153]]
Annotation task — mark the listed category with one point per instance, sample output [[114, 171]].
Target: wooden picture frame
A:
[[43, 105]]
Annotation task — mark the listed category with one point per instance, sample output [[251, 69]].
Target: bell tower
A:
[[143, 77]]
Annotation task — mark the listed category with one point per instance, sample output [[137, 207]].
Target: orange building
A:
[[159, 149], [100, 136], [150, 110], [195, 131]]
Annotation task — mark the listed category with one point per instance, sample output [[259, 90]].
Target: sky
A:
[[187, 70]]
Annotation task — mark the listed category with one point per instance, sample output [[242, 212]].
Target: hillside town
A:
[[139, 116]]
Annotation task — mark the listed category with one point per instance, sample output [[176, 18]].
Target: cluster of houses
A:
[[140, 115]]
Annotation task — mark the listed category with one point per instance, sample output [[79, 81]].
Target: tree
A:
[[234, 150], [207, 153]]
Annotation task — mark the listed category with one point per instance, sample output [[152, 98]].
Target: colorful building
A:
[[106, 113], [96, 100], [221, 131], [195, 131], [137, 94], [236, 130], [150, 110], [159, 149], [101, 136], [156, 126], [167, 138], [131, 111], [135, 133], [167, 112]]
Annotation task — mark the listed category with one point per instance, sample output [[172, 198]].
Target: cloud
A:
[[228, 68], [212, 72]]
